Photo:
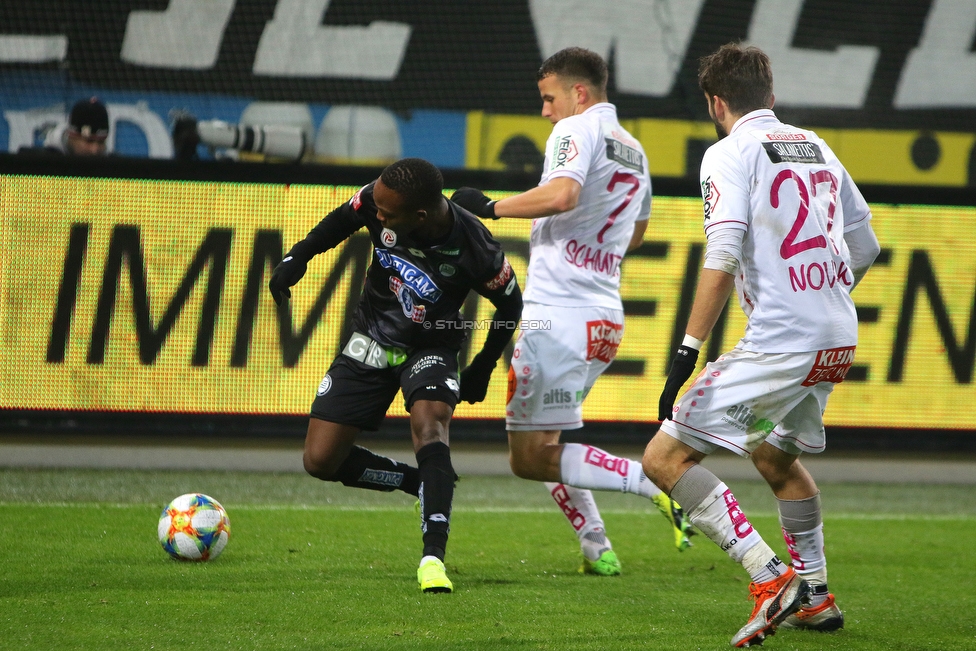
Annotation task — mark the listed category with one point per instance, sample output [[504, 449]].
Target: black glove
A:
[[288, 272], [474, 201], [682, 366], [475, 378]]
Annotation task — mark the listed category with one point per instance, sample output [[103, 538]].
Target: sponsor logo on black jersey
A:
[[413, 276], [356, 202], [626, 156], [503, 277], [794, 152], [447, 270], [325, 385]]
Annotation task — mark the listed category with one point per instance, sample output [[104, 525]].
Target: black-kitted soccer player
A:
[[428, 253]]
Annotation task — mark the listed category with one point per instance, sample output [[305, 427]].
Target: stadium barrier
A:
[[136, 291]]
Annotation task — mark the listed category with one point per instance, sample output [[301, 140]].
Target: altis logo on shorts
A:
[[413, 276], [557, 398], [743, 418], [564, 150]]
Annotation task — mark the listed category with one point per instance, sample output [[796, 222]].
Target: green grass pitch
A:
[[318, 566]]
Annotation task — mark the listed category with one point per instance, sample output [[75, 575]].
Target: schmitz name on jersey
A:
[[794, 152]]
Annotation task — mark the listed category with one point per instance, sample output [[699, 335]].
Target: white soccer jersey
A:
[[786, 189], [575, 255]]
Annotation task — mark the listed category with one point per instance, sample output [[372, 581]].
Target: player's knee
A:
[[654, 463], [776, 467], [650, 467], [519, 466], [526, 466], [318, 467]]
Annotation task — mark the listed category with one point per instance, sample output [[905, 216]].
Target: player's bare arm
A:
[[561, 194], [714, 289]]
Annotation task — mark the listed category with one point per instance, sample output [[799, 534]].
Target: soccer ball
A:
[[194, 527]]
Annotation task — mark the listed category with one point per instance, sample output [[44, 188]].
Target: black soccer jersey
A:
[[413, 289]]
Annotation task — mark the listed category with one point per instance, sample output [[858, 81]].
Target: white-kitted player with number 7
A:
[[590, 208], [787, 227]]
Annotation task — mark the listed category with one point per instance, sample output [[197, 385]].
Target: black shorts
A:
[[354, 393]]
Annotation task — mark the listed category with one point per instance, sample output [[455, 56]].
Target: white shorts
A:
[[744, 398], [554, 368]]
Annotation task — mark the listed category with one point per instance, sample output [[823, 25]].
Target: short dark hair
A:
[[742, 76], [419, 182], [577, 64]]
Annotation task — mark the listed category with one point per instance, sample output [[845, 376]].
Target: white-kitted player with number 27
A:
[[590, 208], [787, 227]]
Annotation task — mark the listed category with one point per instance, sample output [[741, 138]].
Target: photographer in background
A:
[[84, 134]]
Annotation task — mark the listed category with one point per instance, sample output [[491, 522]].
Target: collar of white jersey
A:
[[753, 116], [601, 106]]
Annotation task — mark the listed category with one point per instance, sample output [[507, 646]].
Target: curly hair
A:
[[742, 76], [577, 64], [419, 182]]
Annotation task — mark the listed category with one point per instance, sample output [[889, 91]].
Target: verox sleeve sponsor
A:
[[570, 150], [725, 191]]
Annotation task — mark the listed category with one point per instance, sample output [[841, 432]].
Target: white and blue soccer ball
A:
[[194, 527]]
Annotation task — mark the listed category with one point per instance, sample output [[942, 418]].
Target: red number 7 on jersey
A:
[[619, 177]]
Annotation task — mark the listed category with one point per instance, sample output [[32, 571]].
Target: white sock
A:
[[585, 466], [719, 517], [807, 558], [802, 525], [579, 508], [807, 555]]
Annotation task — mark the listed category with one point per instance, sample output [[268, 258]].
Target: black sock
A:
[[365, 469], [436, 494]]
